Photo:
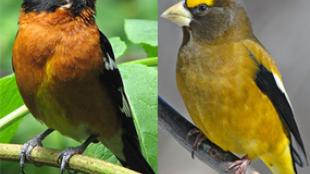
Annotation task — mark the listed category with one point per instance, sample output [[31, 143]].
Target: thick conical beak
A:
[[178, 14]]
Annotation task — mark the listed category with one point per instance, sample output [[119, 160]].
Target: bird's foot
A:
[[199, 138], [64, 157], [240, 166], [29, 146]]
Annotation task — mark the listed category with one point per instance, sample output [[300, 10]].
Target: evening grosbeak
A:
[[232, 88], [68, 78]]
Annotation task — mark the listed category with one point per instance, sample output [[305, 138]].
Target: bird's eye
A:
[[202, 7], [201, 10]]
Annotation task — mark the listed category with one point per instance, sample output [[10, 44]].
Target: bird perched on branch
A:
[[232, 88], [68, 78]]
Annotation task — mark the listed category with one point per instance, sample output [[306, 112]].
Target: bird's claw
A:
[[199, 138], [65, 156], [239, 166], [26, 151]]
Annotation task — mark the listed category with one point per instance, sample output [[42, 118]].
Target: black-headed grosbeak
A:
[[232, 87], [67, 76]]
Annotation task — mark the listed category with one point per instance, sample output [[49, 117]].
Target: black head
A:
[[76, 6]]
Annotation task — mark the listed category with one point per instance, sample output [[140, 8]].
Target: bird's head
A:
[[75, 6], [207, 18]]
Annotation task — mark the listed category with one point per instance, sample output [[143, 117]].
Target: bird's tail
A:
[[280, 163], [133, 156], [125, 145]]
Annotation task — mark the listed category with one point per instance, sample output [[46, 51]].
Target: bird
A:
[[68, 78], [232, 88]]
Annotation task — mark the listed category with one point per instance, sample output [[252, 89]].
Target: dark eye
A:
[[201, 10], [202, 7]]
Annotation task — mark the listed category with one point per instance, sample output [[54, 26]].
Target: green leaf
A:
[[140, 84], [119, 46], [101, 152], [150, 50], [9, 101], [142, 31]]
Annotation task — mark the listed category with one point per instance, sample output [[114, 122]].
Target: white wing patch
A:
[[125, 108], [68, 5], [282, 88], [110, 63]]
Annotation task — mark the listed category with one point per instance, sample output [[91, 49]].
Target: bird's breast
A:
[[58, 71]]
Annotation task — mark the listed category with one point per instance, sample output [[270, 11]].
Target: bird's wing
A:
[[112, 79], [269, 81]]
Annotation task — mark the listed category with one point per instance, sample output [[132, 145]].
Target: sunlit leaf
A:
[[119, 46], [142, 31]]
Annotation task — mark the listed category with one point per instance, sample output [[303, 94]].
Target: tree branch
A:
[[13, 116], [151, 61], [179, 127], [49, 157]]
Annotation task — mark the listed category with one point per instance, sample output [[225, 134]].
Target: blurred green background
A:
[[110, 18]]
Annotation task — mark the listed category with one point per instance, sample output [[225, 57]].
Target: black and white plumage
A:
[[111, 78]]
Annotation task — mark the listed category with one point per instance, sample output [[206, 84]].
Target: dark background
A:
[[283, 26]]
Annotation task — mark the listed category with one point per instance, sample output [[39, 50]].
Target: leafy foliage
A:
[[9, 101], [119, 46], [143, 99], [142, 31]]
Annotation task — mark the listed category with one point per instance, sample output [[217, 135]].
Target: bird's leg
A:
[[30, 145], [198, 140], [240, 166], [64, 157]]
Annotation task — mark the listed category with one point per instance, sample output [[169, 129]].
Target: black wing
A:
[[269, 85], [111, 78]]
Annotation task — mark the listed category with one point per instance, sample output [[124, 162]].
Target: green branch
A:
[[13, 116], [49, 157], [152, 61]]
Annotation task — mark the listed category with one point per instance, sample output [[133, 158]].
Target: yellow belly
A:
[[225, 103]]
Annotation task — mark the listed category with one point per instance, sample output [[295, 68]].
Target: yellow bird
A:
[[232, 88]]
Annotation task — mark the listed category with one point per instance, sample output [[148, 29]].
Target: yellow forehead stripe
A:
[[195, 3]]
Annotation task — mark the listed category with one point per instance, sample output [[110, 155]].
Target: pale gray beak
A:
[[178, 14]]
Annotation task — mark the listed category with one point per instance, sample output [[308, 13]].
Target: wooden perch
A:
[[49, 157], [179, 127]]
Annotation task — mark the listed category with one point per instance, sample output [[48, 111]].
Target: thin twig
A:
[[151, 61], [179, 127], [13, 116], [49, 157]]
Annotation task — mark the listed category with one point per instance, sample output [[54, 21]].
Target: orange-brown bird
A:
[[67, 76], [232, 87]]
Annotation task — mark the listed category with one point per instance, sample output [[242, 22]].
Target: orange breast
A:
[[57, 60]]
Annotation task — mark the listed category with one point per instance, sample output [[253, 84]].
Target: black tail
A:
[[134, 158], [131, 149]]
